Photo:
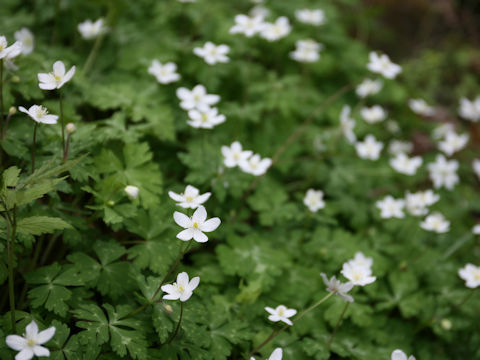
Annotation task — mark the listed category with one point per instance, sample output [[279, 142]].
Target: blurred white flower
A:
[[337, 287], [190, 198], [435, 222], [91, 29], [370, 148], [255, 165], [374, 114], [165, 73], [382, 64], [420, 107], [442, 130], [443, 173], [313, 17], [27, 39], [132, 191], [247, 25], [470, 109], [417, 203], [277, 30], [400, 355], [259, 11], [476, 167], [206, 119], [453, 142], [9, 52], [398, 147], [182, 289], [233, 155], [391, 208], [476, 229], [197, 98], [358, 275], [347, 124], [314, 200], [57, 78], [471, 274], [276, 355], [28, 345], [212, 53], [361, 260], [281, 313], [196, 225], [306, 51], [39, 114], [369, 87], [406, 165]]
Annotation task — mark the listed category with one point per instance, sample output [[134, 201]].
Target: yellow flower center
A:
[[31, 342], [189, 198], [58, 78], [195, 225], [181, 288], [204, 118]]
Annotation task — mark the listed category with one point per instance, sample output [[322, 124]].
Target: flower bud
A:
[[70, 127], [168, 308], [12, 110], [131, 191], [446, 324]]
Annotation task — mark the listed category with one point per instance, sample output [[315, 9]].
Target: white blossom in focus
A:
[[281, 313], [29, 345], [182, 289], [196, 225], [39, 114], [337, 287], [190, 198], [57, 78]]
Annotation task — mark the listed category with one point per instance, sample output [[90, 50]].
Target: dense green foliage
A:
[[87, 256]]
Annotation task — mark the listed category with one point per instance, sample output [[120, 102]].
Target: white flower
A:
[[391, 208], [255, 165], [313, 17], [29, 345], [418, 202], [441, 131], [347, 124], [471, 274], [197, 98], [420, 107], [190, 198], [369, 87], [361, 260], [205, 119], [306, 51], [212, 53], [90, 30], [443, 173], [9, 52], [405, 165], [381, 64], [196, 225], [57, 78], [373, 114], [182, 289], [453, 143], [131, 191], [397, 147], [277, 30], [470, 110], [358, 275], [276, 355], [476, 229], [27, 39], [39, 114], [370, 148], [476, 167], [234, 155], [247, 25], [314, 200], [259, 11], [337, 287], [400, 355], [281, 313], [165, 73], [436, 222]]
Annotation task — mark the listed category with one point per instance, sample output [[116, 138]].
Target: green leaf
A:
[[38, 225]]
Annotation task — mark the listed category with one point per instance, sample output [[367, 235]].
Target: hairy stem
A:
[[174, 334], [337, 325], [34, 146]]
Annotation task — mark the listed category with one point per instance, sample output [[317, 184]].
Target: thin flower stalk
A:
[[337, 325], [34, 145], [174, 334]]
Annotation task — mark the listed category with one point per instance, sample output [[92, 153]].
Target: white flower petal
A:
[[45, 335], [211, 224], [182, 219], [16, 342], [186, 234]]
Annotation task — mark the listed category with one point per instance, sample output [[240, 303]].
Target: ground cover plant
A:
[[234, 180]]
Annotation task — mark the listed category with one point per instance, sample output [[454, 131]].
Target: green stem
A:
[[5, 127], [67, 145], [93, 54], [63, 123], [1, 96], [178, 325], [11, 280], [34, 145], [337, 325]]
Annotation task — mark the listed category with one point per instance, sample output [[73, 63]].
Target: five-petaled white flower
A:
[[436, 222], [313, 17], [443, 173], [234, 155], [190, 198], [400, 355], [29, 344], [277, 30], [406, 165], [420, 107], [418, 202], [471, 274], [281, 313], [205, 119], [453, 142], [470, 109], [314, 200], [27, 39], [57, 78], [369, 87], [337, 287], [197, 98], [306, 51], [255, 165], [196, 225], [91, 29], [212, 53], [391, 208], [9, 52], [165, 73], [374, 114], [359, 270], [275, 355], [131, 191], [182, 289], [370, 148], [39, 114], [382, 64], [347, 124], [247, 25]]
